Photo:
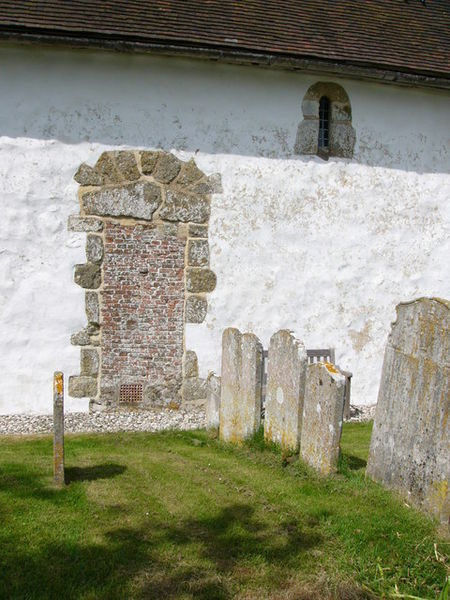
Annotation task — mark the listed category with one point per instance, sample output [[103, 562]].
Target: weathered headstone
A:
[[322, 417], [240, 396], [58, 428], [410, 446], [212, 401], [286, 375]]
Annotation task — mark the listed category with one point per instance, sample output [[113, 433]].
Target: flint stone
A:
[[194, 388], [190, 173], [286, 376], [127, 165], [240, 394], [92, 307], [138, 200], [88, 276], [196, 308], [94, 249], [200, 280], [106, 168], [184, 208], [148, 161], [198, 253], [212, 401], [211, 185], [167, 167], [86, 336], [89, 362], [323, 410], [81, 386], [198, 231], [84, 224], [86, 175], [410, 445], [190, 364]]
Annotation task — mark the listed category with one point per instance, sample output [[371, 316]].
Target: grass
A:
[[180, 515]]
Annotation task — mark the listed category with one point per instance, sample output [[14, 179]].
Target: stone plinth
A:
[[286, 374], [322, 417], [240, 398], [410, 446]]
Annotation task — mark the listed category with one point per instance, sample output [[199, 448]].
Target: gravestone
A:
[[286, 373], [323, 411], [212, 401], [410, 446], [240, 395]]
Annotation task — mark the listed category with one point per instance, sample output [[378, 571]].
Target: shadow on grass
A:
[[105, 471], [198, 558], [354, 463]]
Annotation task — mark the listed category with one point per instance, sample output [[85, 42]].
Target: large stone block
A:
[[185, 208], [190, 364], [410, 446], [240, 396], [167, 167], [189, 174], [86, 175], [200, 280], [196, 308], [138, 200], [81, 386], [198, 253], [323, 411], [194, 388], [89, 362], [94, 248], [286, 375], [342, 140], [307, 137], [88, 275], [212, 401], [92, 307], [148, 161], [126, 164], [84, 224]]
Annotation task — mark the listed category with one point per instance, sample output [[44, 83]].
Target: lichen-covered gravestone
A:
[[286, 375], [323, 411], [240, 395], [410, 446], [212, 401]]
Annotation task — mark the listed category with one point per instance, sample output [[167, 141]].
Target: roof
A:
[[407, 36]]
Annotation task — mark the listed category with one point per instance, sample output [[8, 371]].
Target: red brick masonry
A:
[[142, 311]]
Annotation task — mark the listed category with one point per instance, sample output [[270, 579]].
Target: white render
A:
[[327, 249]]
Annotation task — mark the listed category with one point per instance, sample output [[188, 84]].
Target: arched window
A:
[[326, 129], [324, 123]]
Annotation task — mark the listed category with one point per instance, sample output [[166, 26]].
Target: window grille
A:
[[324, 122], [131, 393]]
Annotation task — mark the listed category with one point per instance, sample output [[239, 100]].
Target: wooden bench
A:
[[314, 355]]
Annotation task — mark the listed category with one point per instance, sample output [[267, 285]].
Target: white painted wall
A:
[[324, 248]]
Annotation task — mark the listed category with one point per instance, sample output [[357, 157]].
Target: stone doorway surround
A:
[[147, 273]]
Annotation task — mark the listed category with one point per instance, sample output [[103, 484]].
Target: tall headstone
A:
[[240, 395], [410, 446], [58, 428], [286, 374], [323, 411], [212, 401]]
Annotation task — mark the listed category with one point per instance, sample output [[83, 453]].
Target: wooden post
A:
[[58, 428]]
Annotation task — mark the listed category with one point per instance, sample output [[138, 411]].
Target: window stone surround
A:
[[166, 200], [342, 134]]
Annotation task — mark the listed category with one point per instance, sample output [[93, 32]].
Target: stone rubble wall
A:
[[147, 274], [410, 445]]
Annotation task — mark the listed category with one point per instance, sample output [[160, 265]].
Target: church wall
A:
[[326, 248]]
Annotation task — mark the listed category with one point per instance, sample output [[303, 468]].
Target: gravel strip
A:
[[152, 420], [103, 422]]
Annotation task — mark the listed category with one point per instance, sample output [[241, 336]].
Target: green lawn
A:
[[180, 515]]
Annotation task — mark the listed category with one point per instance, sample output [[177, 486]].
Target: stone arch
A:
[[342, 134], [147, 274]]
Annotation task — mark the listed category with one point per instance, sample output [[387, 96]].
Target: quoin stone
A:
[[240, 396], [410, 446], [323, 410], [286, 375], [58, 428]]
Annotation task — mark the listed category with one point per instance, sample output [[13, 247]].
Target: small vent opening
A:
[[131, 393]]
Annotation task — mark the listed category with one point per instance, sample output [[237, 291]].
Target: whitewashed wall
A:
[[324, 248]]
